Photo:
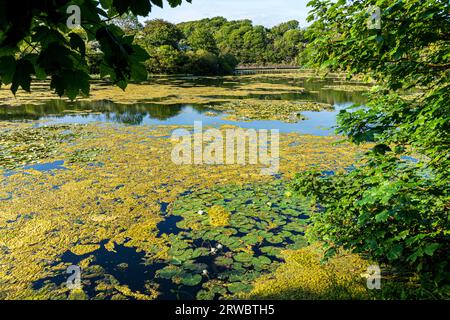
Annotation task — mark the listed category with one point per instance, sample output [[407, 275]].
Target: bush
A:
[[227, 63], [166, 60], [204, 63], [387, 210], [394, 205]]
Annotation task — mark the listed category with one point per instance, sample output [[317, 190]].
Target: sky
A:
[[262, 12]]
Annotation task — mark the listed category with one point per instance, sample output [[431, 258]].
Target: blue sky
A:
[[265, 12]]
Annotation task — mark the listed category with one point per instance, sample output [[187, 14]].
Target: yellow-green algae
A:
[[118, 176], [218, 216], [304, 277], [248, 110], [168, 90], [348, 87], [116, 198], [85, 248], [21, 145]]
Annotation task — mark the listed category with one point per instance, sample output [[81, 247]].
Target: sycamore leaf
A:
[[7, 69], [22, 76]]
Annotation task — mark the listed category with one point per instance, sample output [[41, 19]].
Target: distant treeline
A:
[[213, 46]]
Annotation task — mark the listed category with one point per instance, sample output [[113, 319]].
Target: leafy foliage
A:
[[128, 22], [38, 42], [394, 205], [172, 52], [216, 46], [158, 33], [203, 39], [248, 43]]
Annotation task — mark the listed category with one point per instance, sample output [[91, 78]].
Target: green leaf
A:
[[7, 69], [191, 279], [382, 216], [395, 252], [139, 72], [141, 7], [237, 287], [77, 43], [55, 58], [261, 262], [106, 4], [22, 76], [224, 261], [70, 82], [169, 272], [205, 295], [431, 248], [122, 6], [243, 257], [158, 3]]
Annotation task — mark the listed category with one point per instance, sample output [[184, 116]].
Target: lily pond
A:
[[91, 184]]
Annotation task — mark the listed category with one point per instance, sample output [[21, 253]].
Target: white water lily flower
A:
[[200, 212], [219, 246], [213, 250], [205, 272]]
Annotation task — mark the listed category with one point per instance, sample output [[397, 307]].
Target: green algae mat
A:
[[139, 226], [105, 198]]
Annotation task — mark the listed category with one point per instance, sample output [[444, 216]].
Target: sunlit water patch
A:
[[320, 123], [267, 90]]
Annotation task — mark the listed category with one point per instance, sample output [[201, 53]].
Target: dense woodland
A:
[[213, 46]]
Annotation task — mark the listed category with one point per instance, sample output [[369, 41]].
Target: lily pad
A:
[[239, 287], [169, 272], [191, 279], [243, 257]]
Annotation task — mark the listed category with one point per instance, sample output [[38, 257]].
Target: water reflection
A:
[[318, 123], [121, 113]]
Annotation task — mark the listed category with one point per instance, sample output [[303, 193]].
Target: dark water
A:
[[152, 113], [125, 264]]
